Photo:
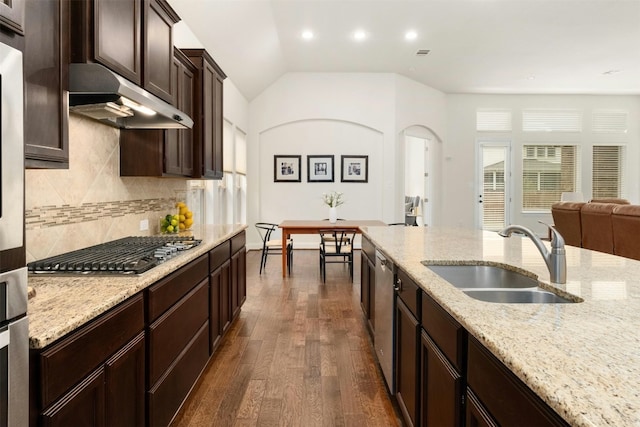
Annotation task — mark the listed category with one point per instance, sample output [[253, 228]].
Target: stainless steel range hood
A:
[[99, 93]]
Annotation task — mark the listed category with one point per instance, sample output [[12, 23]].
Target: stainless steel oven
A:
[[14, 330]]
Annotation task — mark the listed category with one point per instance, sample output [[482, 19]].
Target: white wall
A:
[[338, 114], [459, 164]]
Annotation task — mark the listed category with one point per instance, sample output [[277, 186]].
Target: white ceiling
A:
[[477, 46]]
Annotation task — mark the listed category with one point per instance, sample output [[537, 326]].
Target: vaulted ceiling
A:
[[475, 46]]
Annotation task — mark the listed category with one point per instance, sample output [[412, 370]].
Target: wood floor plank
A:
[[299, 354]]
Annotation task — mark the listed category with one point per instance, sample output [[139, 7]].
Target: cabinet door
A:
[[216, 282], [225, 297], [12, 15], [158, 48], [186, 106], [476, 414], [441, 388], [124, 379], [117, 37], [46, 61], [82, 406], [364, 285], [238, 286], [407, 366], [172, 150]]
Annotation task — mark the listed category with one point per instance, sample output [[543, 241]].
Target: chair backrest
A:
[[571, 196], [566, 220], [265, 229], [337, 240], [597, 231], [626, 231]]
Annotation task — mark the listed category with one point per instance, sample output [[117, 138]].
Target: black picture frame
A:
[[286, 168], [354, 168], [320, 168]]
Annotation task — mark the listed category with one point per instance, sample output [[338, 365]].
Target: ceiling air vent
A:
[[422, 52]]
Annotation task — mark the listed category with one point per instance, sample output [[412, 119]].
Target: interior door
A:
[[494, 172]]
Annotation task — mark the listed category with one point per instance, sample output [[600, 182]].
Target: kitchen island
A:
[[582, 359]]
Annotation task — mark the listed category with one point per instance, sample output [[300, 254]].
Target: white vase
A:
[[333, 215]]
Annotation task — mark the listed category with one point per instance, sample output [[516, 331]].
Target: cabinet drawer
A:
[[505, 396], [219, 255], [409, 293], [368, 248], [170, 333], [169, 290], [238, 242], [445, 331], [64, 364], [166, 397]]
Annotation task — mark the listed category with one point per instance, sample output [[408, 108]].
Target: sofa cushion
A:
[[626, 231], [597, 230], [566, 220]]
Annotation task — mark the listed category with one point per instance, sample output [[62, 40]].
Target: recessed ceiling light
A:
[[359, 35], [410, 35], [307, 34]]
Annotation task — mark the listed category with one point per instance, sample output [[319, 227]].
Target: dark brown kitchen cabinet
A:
[[207, 115], [500, 395], [156, 152], [219, 314], [46, 64], [95, 375], [131, 37], [368, 282], [12, 15], [407, 348], [238, 273], [442, 367]]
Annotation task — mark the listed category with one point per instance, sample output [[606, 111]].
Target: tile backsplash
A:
[[90, 203]]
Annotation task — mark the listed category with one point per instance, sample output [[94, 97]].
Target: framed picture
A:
[[286, 168], [320, 168], [355, 168]]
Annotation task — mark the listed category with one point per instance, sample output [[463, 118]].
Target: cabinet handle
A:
[[398, 286]]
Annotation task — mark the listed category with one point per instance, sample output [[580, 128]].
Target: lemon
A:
[[188, 214], [182, 226], [180, 204], [170, 228], [188, 222], [182, 218]]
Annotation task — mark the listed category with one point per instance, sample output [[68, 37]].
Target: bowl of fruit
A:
[[182, 220]]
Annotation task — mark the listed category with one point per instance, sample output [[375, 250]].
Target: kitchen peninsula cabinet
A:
[[238, 273], [368, 282], [46, 64], [219, 280], [134, 38], [207, 115], [95, 376], [407, 330]]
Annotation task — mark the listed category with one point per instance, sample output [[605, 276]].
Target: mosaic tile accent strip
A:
[[53, 216]]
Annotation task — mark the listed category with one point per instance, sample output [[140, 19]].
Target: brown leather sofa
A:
[[566, 218], [612, 227], [626, 231]]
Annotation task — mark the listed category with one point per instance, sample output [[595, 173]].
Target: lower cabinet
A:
[[407, 367], [136, 364], [368, 282], [95, 376]]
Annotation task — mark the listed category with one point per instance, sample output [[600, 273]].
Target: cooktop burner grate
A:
[[129, 255]]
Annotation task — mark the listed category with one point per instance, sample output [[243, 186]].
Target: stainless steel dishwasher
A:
[[384, 313]]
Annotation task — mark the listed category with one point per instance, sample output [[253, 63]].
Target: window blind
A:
[[554, 170], [552, 121], [609, 121], [241, 152], [493, 120], [607, 171]]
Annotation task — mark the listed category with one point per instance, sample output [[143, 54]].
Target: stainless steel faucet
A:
[[556, 260]]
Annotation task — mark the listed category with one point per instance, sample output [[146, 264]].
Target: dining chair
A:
[[336, 247], [273, 246]]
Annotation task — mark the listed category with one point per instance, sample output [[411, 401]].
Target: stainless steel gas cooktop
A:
[[129, 255]]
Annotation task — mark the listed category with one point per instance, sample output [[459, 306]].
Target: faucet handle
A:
[[557, 241]]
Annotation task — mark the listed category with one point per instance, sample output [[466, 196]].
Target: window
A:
[[610, 121], [607, 171], [547, 176], [488, 120], [552, 121]]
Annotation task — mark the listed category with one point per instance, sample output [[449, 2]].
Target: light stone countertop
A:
[[582, 359], [63, 303]]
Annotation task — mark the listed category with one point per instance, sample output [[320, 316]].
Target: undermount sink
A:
[[482, 276], [491, 283], [518, 296]]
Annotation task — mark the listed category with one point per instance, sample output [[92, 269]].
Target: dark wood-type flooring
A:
[[298, 355]]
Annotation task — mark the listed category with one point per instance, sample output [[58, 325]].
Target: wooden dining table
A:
[[291, 226]]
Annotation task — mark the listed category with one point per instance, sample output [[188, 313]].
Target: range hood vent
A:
[[99, 93]]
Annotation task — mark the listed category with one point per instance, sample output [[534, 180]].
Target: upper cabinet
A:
[[46, 64], [12, 15], [207, 115], [131, 37]]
